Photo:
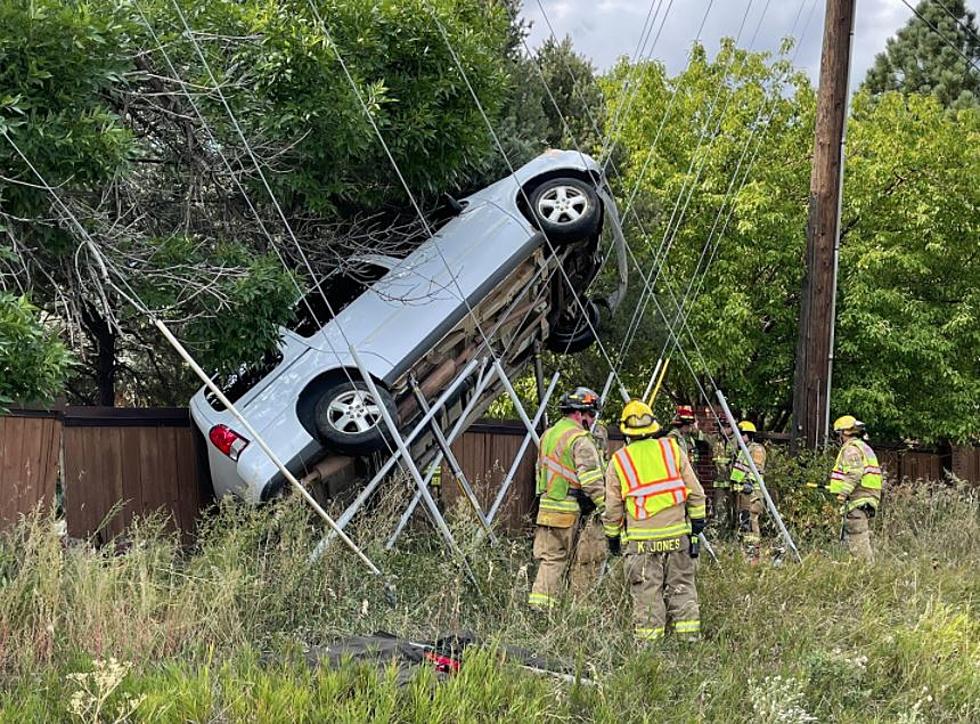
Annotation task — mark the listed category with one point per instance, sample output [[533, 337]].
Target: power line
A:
[[972, 63]]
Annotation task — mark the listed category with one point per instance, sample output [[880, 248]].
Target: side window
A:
[[335, 293]]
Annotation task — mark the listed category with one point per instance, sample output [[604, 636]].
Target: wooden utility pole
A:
[[815, 347]]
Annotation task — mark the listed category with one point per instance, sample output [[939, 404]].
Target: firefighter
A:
[[748, 491], [569, 484], [590, 548], [683, 428], [655, 505], [856, 481], [722, 454]]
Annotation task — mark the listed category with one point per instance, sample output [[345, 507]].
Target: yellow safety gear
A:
[[847, 422], [746, 426], [650, 479], [637, 419], [841, 478], [740, 469], [556, 468]]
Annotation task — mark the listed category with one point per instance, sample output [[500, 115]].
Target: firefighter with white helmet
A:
[[569, 485], [748, 491], [654, 507], [856, 481]]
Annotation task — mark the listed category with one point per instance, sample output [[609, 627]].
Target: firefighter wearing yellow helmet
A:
[[654, 505], [569, 485], [748, 490], [856, 480]]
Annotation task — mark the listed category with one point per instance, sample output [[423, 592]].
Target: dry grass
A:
[[830, 639]]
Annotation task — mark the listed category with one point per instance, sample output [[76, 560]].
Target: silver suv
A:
[[409, 319]]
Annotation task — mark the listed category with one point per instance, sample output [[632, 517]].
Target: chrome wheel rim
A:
[[353, 412], [562, 205]]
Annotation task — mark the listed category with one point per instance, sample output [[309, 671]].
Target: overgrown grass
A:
[[830, 640]]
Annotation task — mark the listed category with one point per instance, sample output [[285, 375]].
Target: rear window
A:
[[237, 384], [335, 293]]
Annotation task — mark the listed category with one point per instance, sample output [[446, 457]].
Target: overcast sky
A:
[[607, 29]]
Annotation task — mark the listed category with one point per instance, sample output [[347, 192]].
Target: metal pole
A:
[[516, 400], [175, 343], [368, 490], [453, 463], [457, 430], [762, 484], [409, 463], [505, 485], [653, 378]]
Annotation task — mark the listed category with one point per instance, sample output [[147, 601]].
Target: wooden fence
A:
[[133, 462]]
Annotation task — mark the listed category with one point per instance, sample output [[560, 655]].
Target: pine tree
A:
[[923, 57]]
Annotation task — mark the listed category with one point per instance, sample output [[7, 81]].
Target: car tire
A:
[[570, 334], [566, 209], [349, 421]]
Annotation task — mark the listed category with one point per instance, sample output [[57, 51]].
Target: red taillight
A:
[[227, 441]]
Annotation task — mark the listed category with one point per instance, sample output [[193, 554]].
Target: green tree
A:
[[908, 312], [937, 53], [33, 361], [118, 111]]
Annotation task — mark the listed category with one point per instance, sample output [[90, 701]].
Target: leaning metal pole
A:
[[409, 463], [762, 485], [454, 466], [509, 478], [368, 490], [175, 343], [482, 381]]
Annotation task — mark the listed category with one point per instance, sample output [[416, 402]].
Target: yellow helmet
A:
[[637, 419], [846, 423], [746, 426]]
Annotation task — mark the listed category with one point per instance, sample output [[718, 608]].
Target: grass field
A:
[[164, 635]]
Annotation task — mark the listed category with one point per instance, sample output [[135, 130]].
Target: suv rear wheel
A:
[[348, 418], [570, 332], [566, 209]]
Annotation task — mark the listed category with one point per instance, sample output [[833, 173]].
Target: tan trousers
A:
[[553, 550], [749, 510], [590, 554], [662, 584], [556, 549], [859, 535]]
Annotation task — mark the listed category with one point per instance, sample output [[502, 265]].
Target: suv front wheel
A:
[[566, 209], [348, 418]]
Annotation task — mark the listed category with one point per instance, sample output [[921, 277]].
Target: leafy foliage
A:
[[33, 362], [154, 135], [935, 54], [906, 340]]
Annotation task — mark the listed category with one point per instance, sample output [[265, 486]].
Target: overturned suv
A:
[[504, 276]]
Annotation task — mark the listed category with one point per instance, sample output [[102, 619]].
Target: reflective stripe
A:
[[541, 599], [666, 449], [559, 469], [624, 465], [667, 531], [696, 511], [563, 506], [657, 488], [649, 634], [611, 531], [589, 476], [689, 626]]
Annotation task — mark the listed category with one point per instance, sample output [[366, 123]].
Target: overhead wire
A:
[[614, 167], [672, 339], [713, 241], [689, 185], [970, 61]]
